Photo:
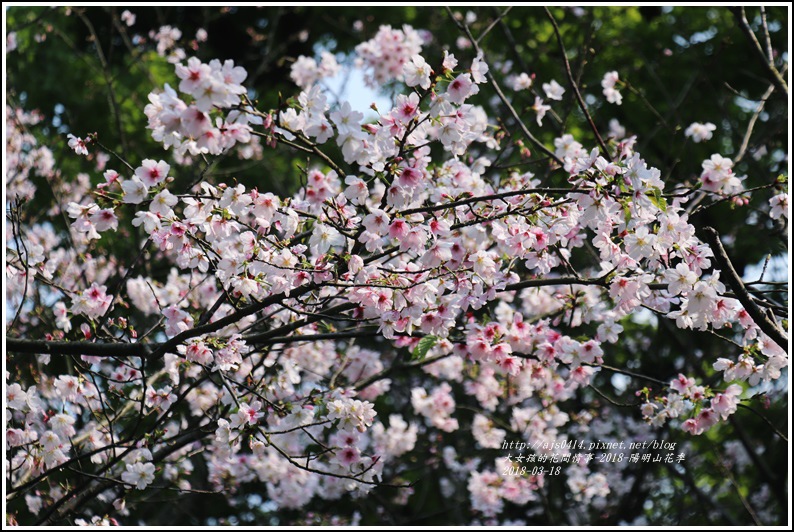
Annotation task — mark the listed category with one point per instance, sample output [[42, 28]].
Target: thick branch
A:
[[273, 336], [341, 335], [17, 345], [721, 258]]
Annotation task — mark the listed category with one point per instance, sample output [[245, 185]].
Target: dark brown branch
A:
[[122, 282], [766, 420], [11, 491], [494, 22], [630, 374], [575, 87], [311, 148], [769, 65], [275, 333], [342, 335], [769, 327], [529, 283], [274, 336], [231, 319], [32, 22], [613, 401], [391, 369], [17, 345], [106, 73], [753, 120], [16, 227], [500, 195], [79, 497], [542, 147], [207, 316]]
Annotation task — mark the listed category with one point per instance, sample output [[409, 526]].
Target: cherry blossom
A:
[[608, 83], [306, 71], [522, 82], [779, 204], [718, 176], [385, 55], [417, 72], [553, 90], [140, 474], [700, 132], [127, 17], [77, 144]]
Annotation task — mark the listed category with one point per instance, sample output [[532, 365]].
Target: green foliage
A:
[[425, 344]]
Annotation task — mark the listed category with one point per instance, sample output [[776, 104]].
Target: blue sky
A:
[[357, 93]]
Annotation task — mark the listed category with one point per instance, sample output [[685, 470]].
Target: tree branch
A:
[[575, 87], [500, 195], [274, 333], [769, 65], [501, 95], [721, 258], [94, 349], [753, 120]]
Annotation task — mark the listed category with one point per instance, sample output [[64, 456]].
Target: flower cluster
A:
[[383, 56], [718, 176], [25, 157], [608, 83], [191, 128], [779, 204], [166, 38], [306, 71], [700, 132]]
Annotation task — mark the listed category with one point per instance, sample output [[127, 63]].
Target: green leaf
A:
[[626, 213], [658, 200], [424, 345]]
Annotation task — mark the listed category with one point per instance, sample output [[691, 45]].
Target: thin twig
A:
[[542, 147], [108, 81], [751, 124], [500, 195], [766, 420], [493, 23], [768, 62], [612, 401], [575, 87]]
